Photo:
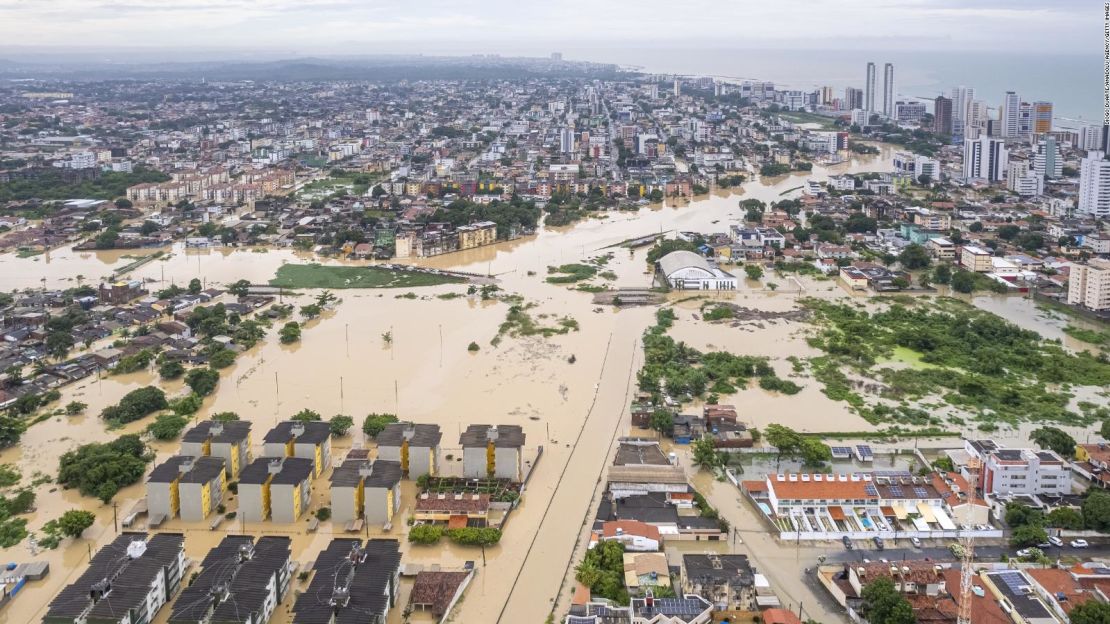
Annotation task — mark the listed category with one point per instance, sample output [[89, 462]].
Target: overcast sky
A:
[[530, 27]]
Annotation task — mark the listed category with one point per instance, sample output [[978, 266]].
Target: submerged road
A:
[[532, 595]]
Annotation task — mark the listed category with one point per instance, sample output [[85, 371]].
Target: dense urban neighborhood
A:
[[530, 339]]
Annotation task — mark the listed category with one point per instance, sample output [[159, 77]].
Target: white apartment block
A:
[[1089, 284], [1094, 185], [1019, 471]]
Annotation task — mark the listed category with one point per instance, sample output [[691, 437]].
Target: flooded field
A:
[[427, 374]]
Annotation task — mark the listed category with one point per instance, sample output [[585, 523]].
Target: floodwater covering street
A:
[[573, 407]]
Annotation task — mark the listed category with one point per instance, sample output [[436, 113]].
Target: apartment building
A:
[[1089, 284], [275, 488], [976, 259], [364, 489], [307, 440], [240, 580], [493, 451], [415, 447], [191, 487], [1019, 471], [230, 441]]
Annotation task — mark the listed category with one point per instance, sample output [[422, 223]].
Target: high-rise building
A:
[[1023, 180], [1048, 161], [826, 96], [853, 98], [962, 97], [1090, 138], [985, 159], [677, 87], [1094, 185], [566, 140], [888, 90], [1089, 284], [942, 116], [1025, 122], [1042, 117], [869, 89], [1010, 115]]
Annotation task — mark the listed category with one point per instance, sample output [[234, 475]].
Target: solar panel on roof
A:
[[864, 449], [896, 490], [841, 451], [870, 490], [921, 492], [1014, 580]]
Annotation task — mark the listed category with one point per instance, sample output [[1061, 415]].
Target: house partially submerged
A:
[[437, 591], [307, 440], [240, 581], [493, 451], [351, 583], [364, 489], [191, 487], [279, 489], [228, 440], [129, 580], [415, 447]]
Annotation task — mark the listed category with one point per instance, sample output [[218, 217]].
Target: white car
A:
[[916, 542], [1079, 543], [1055, 541], [1025, 552]]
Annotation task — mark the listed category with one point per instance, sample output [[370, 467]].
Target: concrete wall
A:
[[343, 504], [250, 503], [378, 501], [508, 464], [158, 499], [193, 449], [281, 503], [422, 461], [274, 449], [191, 505], [474, 463]]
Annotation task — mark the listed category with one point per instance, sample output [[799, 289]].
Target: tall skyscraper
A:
[[677, 87], [1048, 161], [942, 116], [1010, 115], [888, 90], [869, 89], [985, 159], [1094, 185], [962, 97], [1042, 117], [853, 98], [566, 140]]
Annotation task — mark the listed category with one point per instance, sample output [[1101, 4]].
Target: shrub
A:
[[375, 423], [171, 369], [340, 424], [425, 534], [167, 426], [474, 536], [100, 470], [203, 381], [307, 415], [135, 405]]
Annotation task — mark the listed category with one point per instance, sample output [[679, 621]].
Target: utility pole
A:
[[115, 517]]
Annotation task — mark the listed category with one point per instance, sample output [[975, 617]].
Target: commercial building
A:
[[477, 234], [1019, 471], [1042, 117], [415, 447], [278, 489], [1089, 284], [364, 489], [240, 581], [888, 91], [976, 259], [962, 100], [909, 112], [984, 159], [364, 593], [869, 90], [1048, 162], [1094, 185], [307, 440], [853, 99], [191, 487], [691, 271], [127, 581], [230, 441], [493, 451], [942, 116]]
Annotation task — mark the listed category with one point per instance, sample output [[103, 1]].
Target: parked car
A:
[[1079, 543], [1055, 541], [847, 542], [916, 542], [1025, 552], [878, 542]]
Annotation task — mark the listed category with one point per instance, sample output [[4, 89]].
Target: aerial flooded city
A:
[[407, 333]]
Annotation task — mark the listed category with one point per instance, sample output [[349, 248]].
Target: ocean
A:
[[1073, 83]]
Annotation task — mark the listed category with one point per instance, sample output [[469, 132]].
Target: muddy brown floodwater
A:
[[342, 366]]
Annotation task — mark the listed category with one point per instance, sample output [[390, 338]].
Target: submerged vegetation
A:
[[979, 364], [321, 276]]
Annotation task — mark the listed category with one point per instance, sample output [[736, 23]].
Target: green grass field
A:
[[320, 276]]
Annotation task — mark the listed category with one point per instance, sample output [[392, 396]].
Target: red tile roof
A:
[[630, 527]]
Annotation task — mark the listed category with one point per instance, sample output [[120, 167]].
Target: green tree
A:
[[240, 288], [374, 424], [425, 533], [914, 257], [884, 604], [1096, 510], [1054, 439], [662, 420], [167, 426], [225, 416], [754, 271], [135, 405], [1065, 518], [1090, 612], [962, 281], [340, 425], [311, 311], [1104, 430], [100, 470], [58, 344], [815, 453], [171, 369], [942, 274], [1028, 535], [195, 286], [705, 453], [290, 332], [203, 381], [221, 358], [307, 415]]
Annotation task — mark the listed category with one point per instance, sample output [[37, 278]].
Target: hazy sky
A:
[[331, 27]]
